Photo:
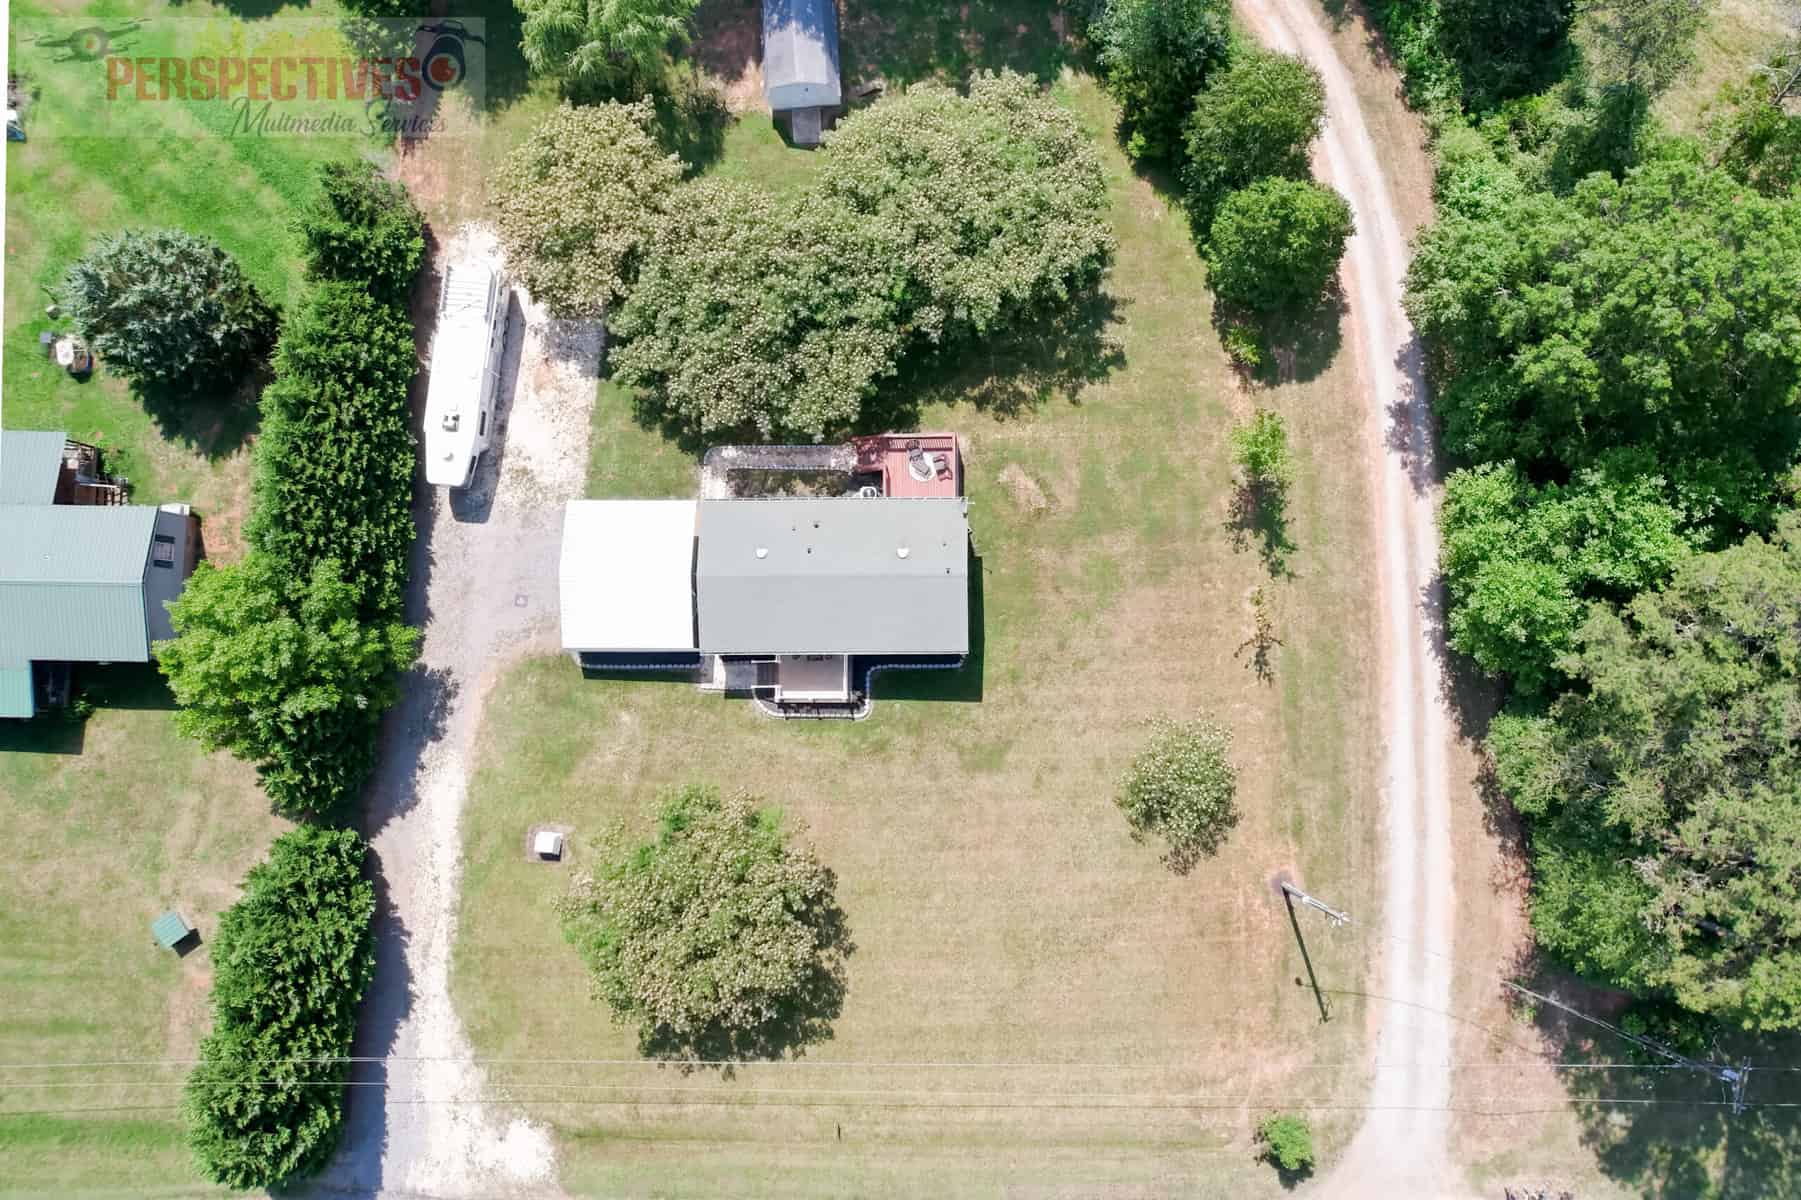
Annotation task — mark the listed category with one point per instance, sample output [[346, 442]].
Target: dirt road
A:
[[1402, 1147], [484, 589]]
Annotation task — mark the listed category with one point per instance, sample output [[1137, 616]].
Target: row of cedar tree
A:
[[288, 658]]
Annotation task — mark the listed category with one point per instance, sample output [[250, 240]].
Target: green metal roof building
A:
[[30, 461], [78, 583]]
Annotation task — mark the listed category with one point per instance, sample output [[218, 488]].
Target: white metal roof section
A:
[[627, 575], [800, 54], [453, 397]]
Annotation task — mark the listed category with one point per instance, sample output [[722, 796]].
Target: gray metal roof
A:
[[843, 575], [30, 461], [800, 53], [72, 582]]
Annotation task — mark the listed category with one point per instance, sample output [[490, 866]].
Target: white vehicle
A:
[[465, 374]]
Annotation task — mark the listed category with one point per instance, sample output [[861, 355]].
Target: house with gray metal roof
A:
[[84, 577], [800, 64], [794, 601]]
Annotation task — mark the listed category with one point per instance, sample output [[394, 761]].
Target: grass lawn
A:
[[173, 171], [1034, 1000], [109, 823], [1736, 37]]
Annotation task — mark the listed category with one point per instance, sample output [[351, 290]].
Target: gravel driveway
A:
[[1403, 1146], [484, 589]]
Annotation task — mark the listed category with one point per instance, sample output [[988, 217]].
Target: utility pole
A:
[[1290, 895], [1294, 893]]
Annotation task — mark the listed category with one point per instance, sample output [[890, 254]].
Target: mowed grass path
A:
[[108, 824], [1001, 912]]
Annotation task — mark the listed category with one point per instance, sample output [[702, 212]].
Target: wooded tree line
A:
[[1611, 316]]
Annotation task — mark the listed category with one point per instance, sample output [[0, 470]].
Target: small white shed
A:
[[800, 63]]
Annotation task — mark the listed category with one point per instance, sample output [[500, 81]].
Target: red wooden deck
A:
[[893, 455]]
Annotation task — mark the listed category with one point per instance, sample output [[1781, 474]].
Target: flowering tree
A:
[[720, 936], [1183, 787], [574, 202]]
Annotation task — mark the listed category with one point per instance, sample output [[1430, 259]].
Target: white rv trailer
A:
[[465, 374]]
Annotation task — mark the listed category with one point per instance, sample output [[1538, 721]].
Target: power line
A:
[[1172, 1104], [850, 1064]]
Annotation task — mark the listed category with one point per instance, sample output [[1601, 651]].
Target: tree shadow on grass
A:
[[803, 1020], [906, 40], [1672, 1131], [208, 421], [1293, 345], [691, 118], [1257, 517], [1051, 355]]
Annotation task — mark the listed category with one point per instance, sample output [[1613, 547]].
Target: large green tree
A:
[[1505, 48], [167, 307], [992, 202], [757, 316], [1521, 561], [1645, 45], [1661, 311], [291, 960], [1664, 791], [1254, 119], [1155, 55], [935, 216], [720, 930], [576, 200], [284, 673], [604, 47], [1275, 245]]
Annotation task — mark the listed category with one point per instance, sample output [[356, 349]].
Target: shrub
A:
[[1287, 1142], [166, 307], [335, 463], [576, 200], [716, 934], [1155, 55], [291, 961], [363, 229], [1275, 245], [936, 217], [1260, 448], [1255, 118], [283, 673], [1183, 787]]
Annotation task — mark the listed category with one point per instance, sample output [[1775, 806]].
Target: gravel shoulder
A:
[[1402, 1148], [484, 590]]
